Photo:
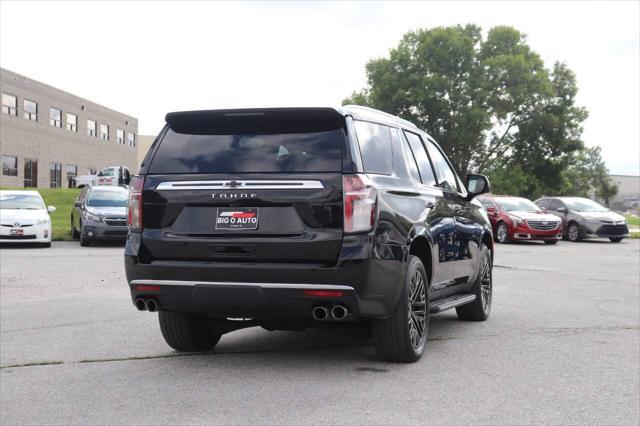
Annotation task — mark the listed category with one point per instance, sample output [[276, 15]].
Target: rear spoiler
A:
[[255, 120]]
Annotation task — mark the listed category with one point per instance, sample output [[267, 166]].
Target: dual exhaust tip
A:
[[146, 304], [336, 313]]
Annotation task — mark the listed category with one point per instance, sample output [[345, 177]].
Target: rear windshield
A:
[[182, 151]]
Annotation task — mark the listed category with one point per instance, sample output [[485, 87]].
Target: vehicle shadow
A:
[[315, 346], [21, 246]]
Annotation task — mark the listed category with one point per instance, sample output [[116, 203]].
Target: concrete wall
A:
[[40, 141], [144, 143], [628, 190]]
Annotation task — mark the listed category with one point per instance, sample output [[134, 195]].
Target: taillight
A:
[[134, 217], [359, 203]]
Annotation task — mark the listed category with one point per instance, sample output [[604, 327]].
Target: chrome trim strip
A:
[[239, 184], [237, 284]]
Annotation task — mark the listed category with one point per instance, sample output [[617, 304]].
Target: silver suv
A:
[[582, 217], [100, 213]]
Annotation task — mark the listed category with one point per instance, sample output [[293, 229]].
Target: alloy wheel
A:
[[502, 233], [417, 310], [485, 283], [574, 232]]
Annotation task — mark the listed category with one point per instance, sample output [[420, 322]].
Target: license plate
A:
[[237, 218], [16, 232]]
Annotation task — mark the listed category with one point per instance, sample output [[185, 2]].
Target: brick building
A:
[[48, 136]]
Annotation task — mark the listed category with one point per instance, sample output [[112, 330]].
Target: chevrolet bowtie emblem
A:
[[234, 184]]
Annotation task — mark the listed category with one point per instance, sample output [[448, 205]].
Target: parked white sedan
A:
[[24, 218]]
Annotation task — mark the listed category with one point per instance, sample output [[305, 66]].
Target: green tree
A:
[[588, 175], [490, 102]]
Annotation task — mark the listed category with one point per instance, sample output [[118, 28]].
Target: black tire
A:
[[187, 332], [480, 309], [84, 240], [74, 232], [502, 233], [398, 338], [551, 242], [615, 240], [574, 233]]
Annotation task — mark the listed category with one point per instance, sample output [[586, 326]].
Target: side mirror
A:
[[77, 204], [562, 210], [476, 185], [51, 209], [491, 209]]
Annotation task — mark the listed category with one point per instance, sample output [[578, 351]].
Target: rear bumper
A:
[[370, 287], [232, 299]]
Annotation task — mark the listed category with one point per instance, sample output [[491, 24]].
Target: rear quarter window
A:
[[375, 147]]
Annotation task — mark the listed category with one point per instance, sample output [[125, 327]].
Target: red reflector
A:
[[142, 287], [323, 293]]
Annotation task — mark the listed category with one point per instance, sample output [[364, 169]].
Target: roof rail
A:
[[373, 111]]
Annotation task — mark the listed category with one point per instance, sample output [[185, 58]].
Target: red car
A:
[[516, 218]]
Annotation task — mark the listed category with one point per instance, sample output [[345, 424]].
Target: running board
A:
[[451, 302]]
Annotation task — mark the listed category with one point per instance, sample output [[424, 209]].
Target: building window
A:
[[131, 137], [120, 136], [9, 104], [30, 110], [104, 132], [9, 165], [30, 173], [92, 170], [55, 117], [72, 172], [72, 122], [55, 175], [91, 128]]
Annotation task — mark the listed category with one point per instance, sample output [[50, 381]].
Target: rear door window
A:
[[424, 165], [375, 146], [181, 151]]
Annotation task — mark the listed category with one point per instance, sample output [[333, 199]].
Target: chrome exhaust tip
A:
[[152, 306], [339, 312], [140, 305], [320, 313]]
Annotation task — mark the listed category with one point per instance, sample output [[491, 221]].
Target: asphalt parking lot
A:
[[562, 346]]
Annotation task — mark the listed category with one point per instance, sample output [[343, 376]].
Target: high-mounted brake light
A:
[[359, 203], [134, 216]]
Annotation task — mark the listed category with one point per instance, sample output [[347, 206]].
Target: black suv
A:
[[294, 217]]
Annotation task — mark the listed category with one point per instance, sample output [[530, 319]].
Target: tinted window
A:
[[556, 204], [313, 151], [410, 159], [375, 146], [444, 173], [426, 172], [544, 203]]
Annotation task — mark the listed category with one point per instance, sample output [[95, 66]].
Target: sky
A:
[[148, 58]]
